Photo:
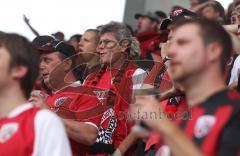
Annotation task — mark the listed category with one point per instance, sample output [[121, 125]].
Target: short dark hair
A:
[[76, 37], [211, 31], [22, 53], [218, 8], [62, 57], [161, 14]]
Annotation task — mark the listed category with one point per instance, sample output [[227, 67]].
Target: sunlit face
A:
[[4, 68], [48, 62], [88, 42], [187, 51], [109, 48], [210, 13], [145, 24]]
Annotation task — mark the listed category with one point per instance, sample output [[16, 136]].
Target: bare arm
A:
[[127, 143], [26, 20], [179, 143], [232, 30], [235, 42], [177, 140], [81, 132]]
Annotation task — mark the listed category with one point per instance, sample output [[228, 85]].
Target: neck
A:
[[10, 98], [69, 78], [94, 61], [118, 63], [201, 87]]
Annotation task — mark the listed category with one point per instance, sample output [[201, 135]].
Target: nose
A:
[[42, 65], [100, 46], [80, 43], [171, 52], [139, 20]]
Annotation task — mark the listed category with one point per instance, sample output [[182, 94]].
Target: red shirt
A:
[[213, 126], [149, 43], [74, 105], [114, 126], [17, 134]]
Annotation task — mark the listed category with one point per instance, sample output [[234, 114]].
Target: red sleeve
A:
[[84, 103]]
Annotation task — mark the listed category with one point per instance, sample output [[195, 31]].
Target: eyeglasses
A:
[[109, 44]]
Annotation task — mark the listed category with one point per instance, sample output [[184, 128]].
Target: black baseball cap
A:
[[177, 14], [50, 44]]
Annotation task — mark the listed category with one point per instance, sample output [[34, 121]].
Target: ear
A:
[[123, 49], [214, 51], [67, 64], [217, 14], [154, 24], [18, 72], [125, 44]]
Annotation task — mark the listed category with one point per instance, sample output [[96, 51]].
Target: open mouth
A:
[[234, 19], [45, 75], [80, 50], [139, 26], [102, 54]]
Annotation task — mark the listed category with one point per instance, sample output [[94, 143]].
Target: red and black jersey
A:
[[149, 43], [213, 125]]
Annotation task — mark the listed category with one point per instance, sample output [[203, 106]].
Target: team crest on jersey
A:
[[60, 101], [177, 12], [7, 131], [204, 125], [100, 94]]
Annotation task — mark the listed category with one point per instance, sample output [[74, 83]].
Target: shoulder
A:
[[45, 117]]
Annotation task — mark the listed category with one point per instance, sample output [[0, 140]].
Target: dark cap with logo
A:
[[50, 44], [177, 15]]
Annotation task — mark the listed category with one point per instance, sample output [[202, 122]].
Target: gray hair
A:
[[121, 31]]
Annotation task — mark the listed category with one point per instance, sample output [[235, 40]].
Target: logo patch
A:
[[7, 131], [100, 94], [177, 12], [204, 125], [60, 101]]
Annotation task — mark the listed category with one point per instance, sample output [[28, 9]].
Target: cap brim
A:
[[165, 23], [45, 49]]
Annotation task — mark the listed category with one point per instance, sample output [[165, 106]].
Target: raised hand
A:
[[26, 20]]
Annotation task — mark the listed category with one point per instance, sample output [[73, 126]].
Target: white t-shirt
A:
[[50, 135], [235, 71]]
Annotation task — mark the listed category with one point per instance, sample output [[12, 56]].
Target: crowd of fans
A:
[[170, 87]]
